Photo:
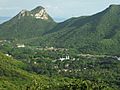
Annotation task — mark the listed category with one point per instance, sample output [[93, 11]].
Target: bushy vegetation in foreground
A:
[[14, 76]]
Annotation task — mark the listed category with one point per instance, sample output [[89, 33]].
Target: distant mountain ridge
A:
[[3, 19], [99, 33]]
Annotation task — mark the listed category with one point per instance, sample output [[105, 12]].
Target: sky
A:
[[58, 9]]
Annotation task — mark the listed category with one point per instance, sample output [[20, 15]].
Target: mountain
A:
[[96, 34], [33, 67], [99, 33], [27, 24]]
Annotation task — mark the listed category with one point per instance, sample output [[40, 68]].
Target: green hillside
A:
[[81, 53], [27, 24], [13, 76], [98, 33]]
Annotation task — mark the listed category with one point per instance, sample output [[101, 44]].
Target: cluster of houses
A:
[[52, 49]]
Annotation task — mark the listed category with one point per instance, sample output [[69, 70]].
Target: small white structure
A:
[[3, 41], [67, 65], [65, 70], [8, 55], [55, 66], [73, 59], [62, 59], [35, 62], [118, 58], [78, 59], [66, 58], [20, 45], [54, 60]]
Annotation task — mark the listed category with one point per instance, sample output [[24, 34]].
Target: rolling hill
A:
[[27, 24], [33, 67], [13, 76], [97, 33]]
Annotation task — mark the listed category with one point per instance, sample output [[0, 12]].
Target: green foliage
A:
[[14, 77], [26, 27], [96, 34]]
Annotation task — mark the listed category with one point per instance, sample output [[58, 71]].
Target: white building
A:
[[66, 58], [8, 55], [35, 62], [118, 58], [20, 45], [62, 59]]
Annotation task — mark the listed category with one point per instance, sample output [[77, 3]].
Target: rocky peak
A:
[[114, 7], [23, 13], [38, 13], [37, 9], [41, 15]]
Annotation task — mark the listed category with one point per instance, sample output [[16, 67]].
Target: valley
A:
[[61, 62], [82, 53]]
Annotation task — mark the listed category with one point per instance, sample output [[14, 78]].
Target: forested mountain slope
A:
[[97, 33], [27, 24]]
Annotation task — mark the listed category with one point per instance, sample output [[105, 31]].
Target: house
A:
[[118, 58], [8, 55], [66, 58], [20, 45], [35, 62], [62, 59]]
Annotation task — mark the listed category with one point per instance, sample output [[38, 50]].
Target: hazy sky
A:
[[56, 8]]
